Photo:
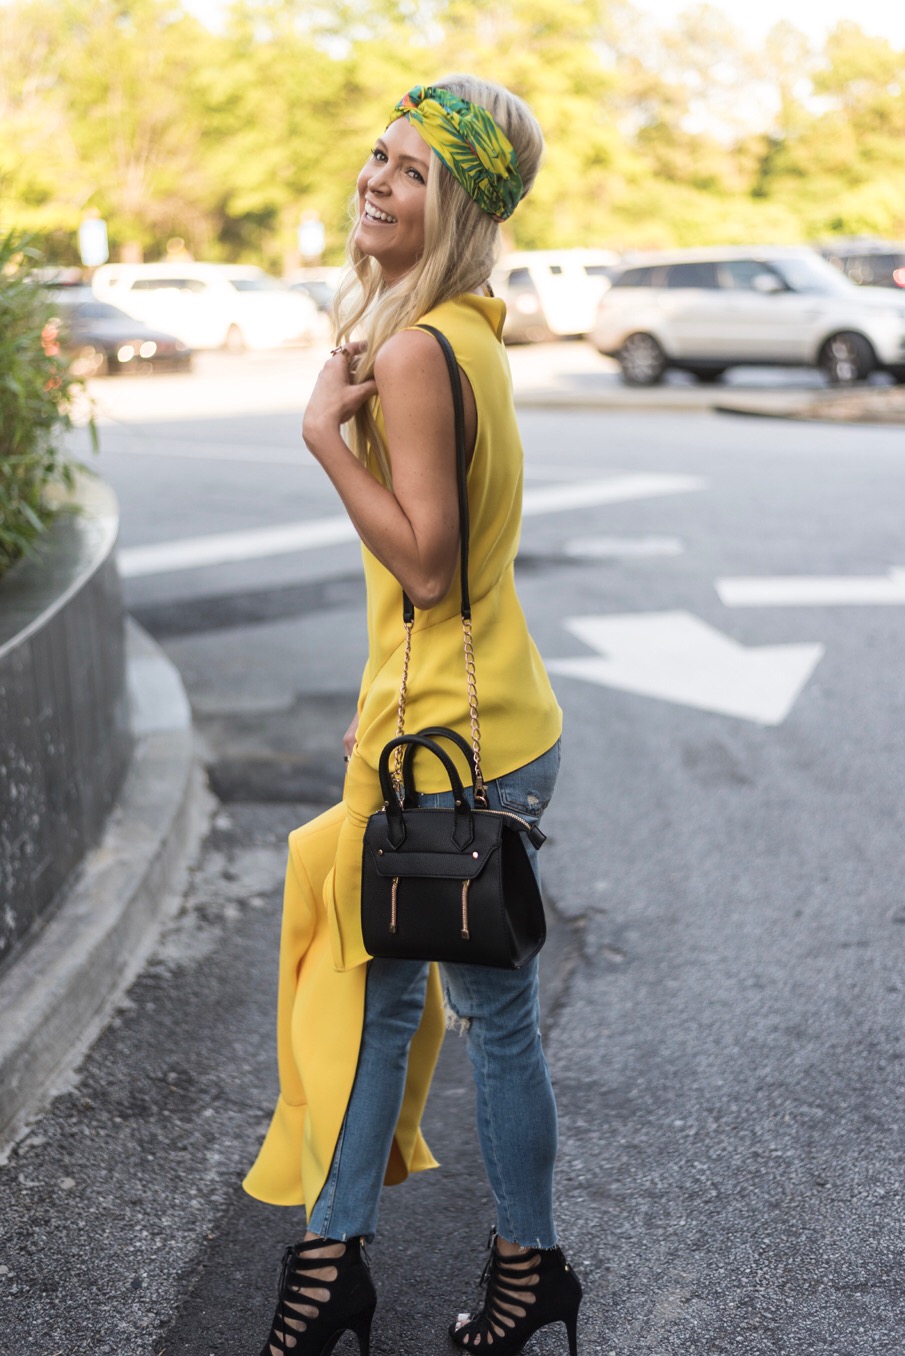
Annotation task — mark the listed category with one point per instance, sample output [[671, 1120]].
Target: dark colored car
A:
[[878, 263], [101, 339]]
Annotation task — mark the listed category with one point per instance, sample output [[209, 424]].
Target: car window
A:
[[809, 273], [691, 275], [599, 270], [519, 280], [97, 310], [262, 284], [636, 277], [740, 273], [177, 284], [876, 268]]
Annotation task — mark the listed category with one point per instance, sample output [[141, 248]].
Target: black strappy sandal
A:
[[524, 1292], [312, 1312]]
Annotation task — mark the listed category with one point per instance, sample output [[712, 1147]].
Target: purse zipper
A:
[[504, 814], [465, 934]]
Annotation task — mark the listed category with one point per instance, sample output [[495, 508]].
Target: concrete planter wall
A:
[[64, 729]]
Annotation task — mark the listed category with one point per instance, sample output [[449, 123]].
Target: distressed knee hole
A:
[[454, 1019]]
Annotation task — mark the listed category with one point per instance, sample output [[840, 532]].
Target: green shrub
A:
[[36, 397]]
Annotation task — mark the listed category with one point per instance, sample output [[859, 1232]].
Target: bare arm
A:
[[412, 529]]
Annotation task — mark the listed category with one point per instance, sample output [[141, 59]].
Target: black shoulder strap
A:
[[408, 607]]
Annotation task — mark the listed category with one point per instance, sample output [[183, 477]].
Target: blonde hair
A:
[[461, 245]]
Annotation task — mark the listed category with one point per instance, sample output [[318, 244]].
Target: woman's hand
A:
[[349, 737], [336, 398]]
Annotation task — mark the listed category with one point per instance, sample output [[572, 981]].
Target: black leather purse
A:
[[455, 884]]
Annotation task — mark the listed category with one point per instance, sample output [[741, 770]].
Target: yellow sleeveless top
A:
[[519, 715]]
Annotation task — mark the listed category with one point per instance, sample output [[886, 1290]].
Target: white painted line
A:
[[628, 548], [261, 455], [678, 658], [614, 490], [193, 553], [802, 591]]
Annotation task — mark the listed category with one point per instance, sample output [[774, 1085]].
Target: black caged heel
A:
[[322, 1297], [525, 1292]]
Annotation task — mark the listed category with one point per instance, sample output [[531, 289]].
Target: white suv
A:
[[703, 311], [211, 305]]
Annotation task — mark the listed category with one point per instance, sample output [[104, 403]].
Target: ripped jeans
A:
[[499, 1012]]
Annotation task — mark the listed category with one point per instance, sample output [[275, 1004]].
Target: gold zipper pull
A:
[[465, 934], [393, 904]]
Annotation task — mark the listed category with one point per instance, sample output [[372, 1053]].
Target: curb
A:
[[59, 994]]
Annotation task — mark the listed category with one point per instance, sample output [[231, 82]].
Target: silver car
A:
[[703, 311]]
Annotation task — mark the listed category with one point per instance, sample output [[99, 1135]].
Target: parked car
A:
[[101, 339], [319, 284], [228, 306], [551, 293], [703, 311], [869, 263]]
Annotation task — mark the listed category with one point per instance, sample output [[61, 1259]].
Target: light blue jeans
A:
[[500, 1012]]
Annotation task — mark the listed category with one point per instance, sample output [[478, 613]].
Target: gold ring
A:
[[341, 349]]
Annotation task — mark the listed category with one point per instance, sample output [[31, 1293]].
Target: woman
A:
[[358, 1038]]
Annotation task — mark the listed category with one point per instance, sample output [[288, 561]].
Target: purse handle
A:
[[408, 607], [463, 824], [432, 732]]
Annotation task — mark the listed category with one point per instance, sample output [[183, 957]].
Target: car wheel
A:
[[235, 340], [846, 358], [642, 360], [707, 375]]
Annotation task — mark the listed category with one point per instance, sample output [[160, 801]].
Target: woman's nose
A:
[[377, 177]]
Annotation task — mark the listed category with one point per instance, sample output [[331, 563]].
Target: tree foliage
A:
[[656, 135]]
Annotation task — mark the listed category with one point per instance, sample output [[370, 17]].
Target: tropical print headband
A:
[[471, 145]]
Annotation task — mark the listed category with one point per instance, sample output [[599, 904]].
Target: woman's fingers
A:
[[349, 737]]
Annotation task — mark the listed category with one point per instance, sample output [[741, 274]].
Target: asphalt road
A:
[[724, 1019]]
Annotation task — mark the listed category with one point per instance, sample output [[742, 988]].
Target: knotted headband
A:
[[471, 145]]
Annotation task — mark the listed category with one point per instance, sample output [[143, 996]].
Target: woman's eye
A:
[[378, 154], [419, 178]]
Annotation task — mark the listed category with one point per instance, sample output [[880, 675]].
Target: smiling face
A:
[[392, 191]]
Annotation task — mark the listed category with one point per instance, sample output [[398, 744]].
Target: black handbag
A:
[[456, 884]]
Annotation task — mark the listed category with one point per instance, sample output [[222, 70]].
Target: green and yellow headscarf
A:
[[470, 144]]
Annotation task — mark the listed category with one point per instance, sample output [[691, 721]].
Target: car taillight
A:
[[898, 277]]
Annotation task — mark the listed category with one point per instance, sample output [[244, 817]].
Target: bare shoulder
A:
[[409, 355]]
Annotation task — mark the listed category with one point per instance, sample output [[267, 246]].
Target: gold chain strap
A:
[[400, 722], [480, 794]]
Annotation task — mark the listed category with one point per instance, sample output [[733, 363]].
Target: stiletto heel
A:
[[362, 1330], [313, 1311], [525, 1292], [572, 1331]]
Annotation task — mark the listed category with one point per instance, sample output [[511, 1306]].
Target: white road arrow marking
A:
[[678, 658], [804, 591]]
